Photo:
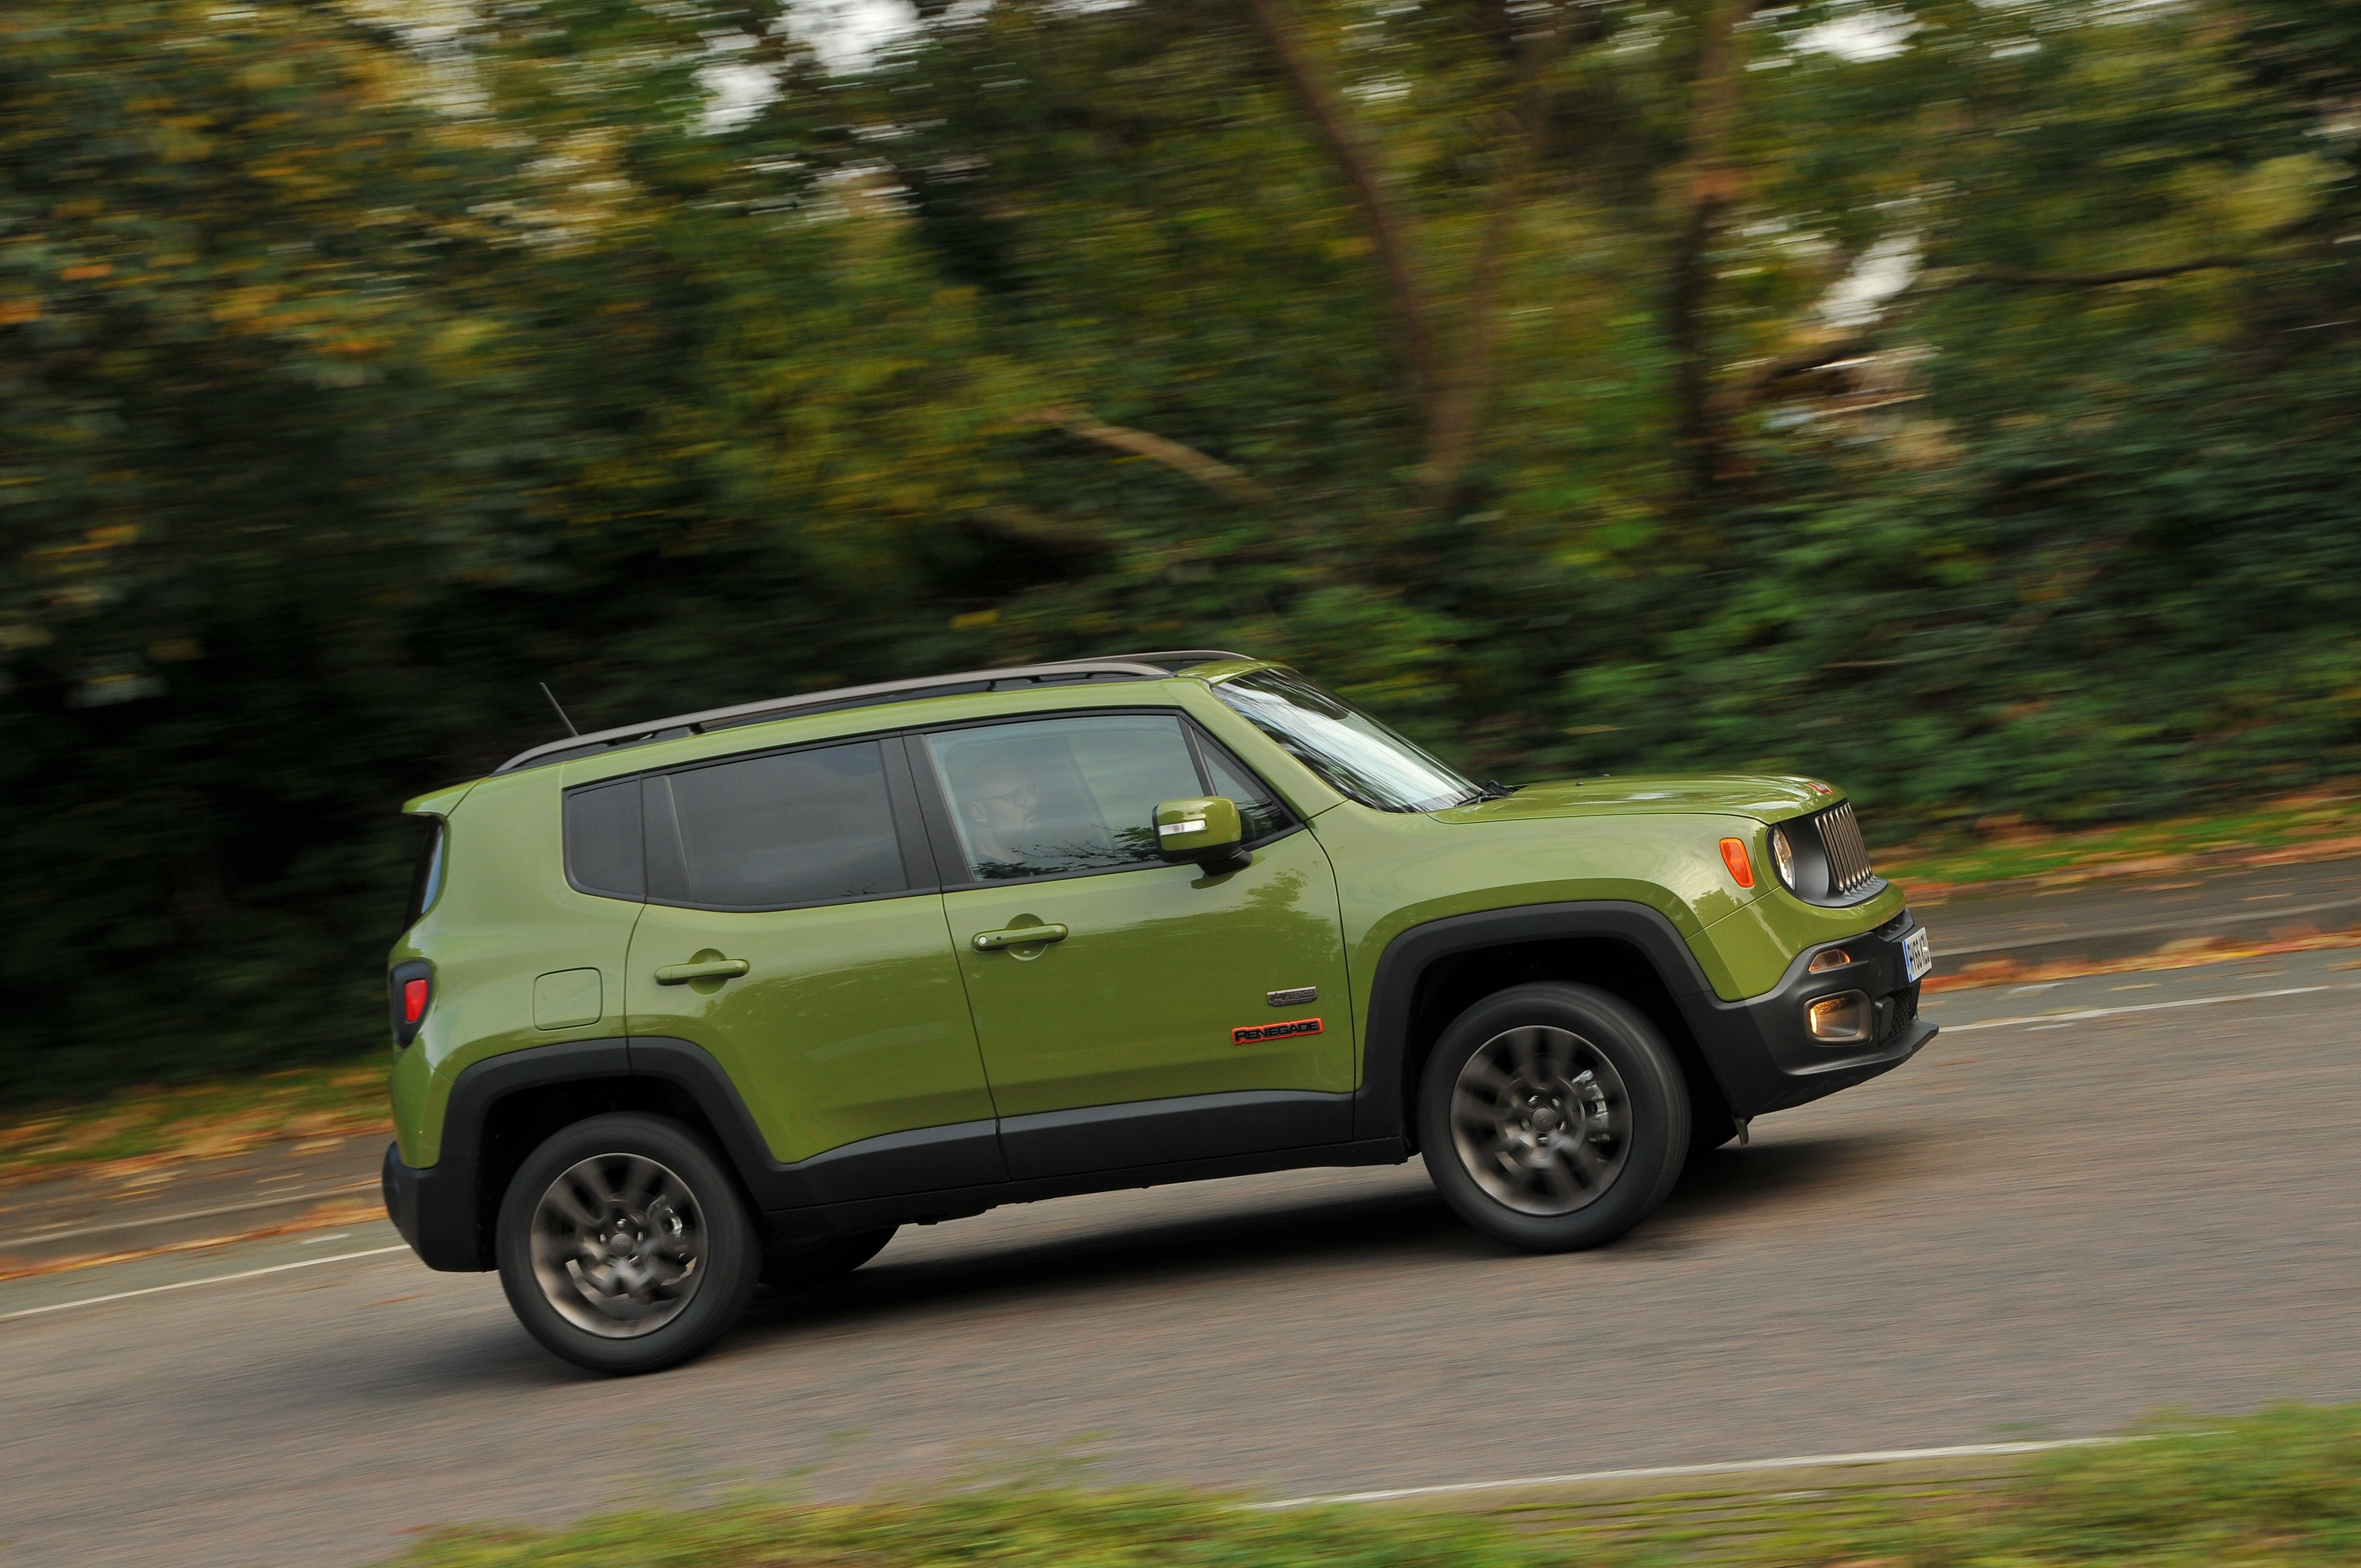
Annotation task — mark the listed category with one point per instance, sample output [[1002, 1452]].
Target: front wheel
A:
[[1553, 1116], [624, 1245]]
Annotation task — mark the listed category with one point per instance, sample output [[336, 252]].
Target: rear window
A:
[[426, 875], [769, 832]]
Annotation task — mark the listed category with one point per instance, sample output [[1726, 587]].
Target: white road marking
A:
[[191, 1284], [1669, 1472], [76, 1232], [2054, 1020]]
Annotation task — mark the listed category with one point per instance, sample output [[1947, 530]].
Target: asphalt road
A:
[[2083, 1204]]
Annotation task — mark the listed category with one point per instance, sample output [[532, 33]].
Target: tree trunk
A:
[[1387, 227], [1708, 185], [1459, 403]]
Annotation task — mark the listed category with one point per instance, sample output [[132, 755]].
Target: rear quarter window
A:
[[603, 852]]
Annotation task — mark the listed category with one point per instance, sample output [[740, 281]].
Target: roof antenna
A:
[[561, 711]]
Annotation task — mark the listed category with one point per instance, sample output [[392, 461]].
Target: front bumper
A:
[[435, 1213], [1763, 1053]]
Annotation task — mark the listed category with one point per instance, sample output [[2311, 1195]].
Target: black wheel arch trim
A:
[[1745, 1046], [441, 1209]]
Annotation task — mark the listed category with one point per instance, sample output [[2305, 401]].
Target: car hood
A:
[[1770, 798]]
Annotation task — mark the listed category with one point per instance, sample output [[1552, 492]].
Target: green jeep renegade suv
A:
[[723, 999]]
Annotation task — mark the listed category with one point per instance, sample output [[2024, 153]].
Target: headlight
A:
[[1782, 856]]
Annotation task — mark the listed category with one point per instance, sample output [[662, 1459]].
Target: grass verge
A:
[[2320, 825], [136, 1127], [2281, 1489]]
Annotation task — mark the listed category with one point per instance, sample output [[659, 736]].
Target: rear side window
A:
[[769, 832], [426, 876], [602, 841]]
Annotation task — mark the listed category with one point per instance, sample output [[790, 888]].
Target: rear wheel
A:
[[1553, 1116], [624, 1245]]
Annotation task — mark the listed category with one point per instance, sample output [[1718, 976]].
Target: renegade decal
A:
[[1249, 1034]]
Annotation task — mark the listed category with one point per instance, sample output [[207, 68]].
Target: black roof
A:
[[1072, 672]]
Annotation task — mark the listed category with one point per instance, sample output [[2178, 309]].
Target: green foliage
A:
[[1012, 1530], [364, 364], [2287, 1483], [2280, 1490]]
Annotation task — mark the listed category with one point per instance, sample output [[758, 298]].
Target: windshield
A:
[[1356, 754]]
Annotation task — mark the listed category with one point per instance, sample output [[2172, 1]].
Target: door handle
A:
[[705, 968], [1018, 936]]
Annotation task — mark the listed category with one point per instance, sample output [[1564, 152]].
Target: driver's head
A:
[[999, 799]]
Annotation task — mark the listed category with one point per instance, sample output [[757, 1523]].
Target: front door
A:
[[1180, 1016], [782, 936]]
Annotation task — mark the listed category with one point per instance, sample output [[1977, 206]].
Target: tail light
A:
[[411, 989]]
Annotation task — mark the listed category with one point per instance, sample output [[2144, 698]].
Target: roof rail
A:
[[1178, 660], [1072, 672]]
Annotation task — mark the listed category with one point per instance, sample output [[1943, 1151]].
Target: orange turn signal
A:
[[1733, 855]]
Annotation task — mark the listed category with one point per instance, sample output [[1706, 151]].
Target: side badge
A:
[[1249, 1034], [1295, 998]]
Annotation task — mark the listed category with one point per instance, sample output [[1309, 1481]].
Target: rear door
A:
[[794, 930], [1180, 1016]]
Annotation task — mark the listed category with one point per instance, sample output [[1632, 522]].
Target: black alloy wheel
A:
[[624, 1245], [1553, 1116]]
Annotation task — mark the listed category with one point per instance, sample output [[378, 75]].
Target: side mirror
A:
[[1204, 831]]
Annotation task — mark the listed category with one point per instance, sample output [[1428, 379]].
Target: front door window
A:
[[1062, 795]]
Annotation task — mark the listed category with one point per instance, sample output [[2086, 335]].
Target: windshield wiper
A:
[[1493, 789]]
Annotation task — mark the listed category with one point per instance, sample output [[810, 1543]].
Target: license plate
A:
[[1917, 953]]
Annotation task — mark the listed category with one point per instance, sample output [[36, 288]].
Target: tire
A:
[[1510, 1079], [794, 1264], [624, 1245]]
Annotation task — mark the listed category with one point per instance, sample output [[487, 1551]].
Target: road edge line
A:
[[191, 1284], [2089, 1012], [1672, 1472]]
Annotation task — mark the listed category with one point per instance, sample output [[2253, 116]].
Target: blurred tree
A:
[[1953, 397]]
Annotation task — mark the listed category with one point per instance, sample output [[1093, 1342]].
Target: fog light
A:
[[1834, 958], [1840, 1020]]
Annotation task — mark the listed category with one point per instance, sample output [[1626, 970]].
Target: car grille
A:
[[1849, 870]]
